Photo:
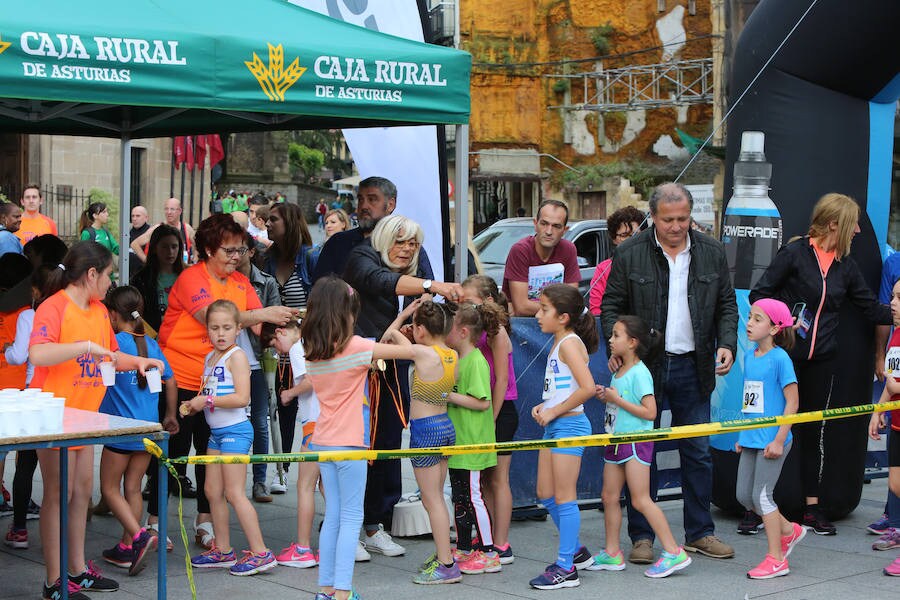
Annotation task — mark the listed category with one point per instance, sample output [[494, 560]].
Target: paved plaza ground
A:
[[822, 568]]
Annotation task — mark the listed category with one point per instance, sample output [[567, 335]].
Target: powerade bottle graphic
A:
[[752, 233]]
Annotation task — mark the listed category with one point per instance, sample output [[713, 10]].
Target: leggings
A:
[[192, 429], [756, 479], [815, 381], [470, 510], [26, 463], [346, 484]]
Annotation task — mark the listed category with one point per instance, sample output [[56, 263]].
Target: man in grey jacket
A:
[[677, 281]]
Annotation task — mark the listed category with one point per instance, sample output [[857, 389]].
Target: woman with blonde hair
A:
[[815, 273]]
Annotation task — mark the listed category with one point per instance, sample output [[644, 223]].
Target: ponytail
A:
[[486, 288], [127, 303], [567, 300], [81, 258], [86, 219], [650, 341]]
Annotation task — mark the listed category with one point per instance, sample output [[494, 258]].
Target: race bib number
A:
[[550, 380], [754, 402], [609, 421], [892, 362], [210, 386]]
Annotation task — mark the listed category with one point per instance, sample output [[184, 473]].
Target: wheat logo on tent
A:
[[4, 45], [273, 78]]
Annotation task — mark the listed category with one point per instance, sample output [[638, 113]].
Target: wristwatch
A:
[[426, 285]]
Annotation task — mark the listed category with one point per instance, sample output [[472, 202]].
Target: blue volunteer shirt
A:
[[765, 378]]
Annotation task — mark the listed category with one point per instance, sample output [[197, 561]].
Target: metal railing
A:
[[63, 204]]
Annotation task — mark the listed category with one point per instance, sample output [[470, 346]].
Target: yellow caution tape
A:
[[654, 435]]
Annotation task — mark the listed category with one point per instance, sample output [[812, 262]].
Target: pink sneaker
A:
[[476, 562], [789, 541], [893, 569], [769, 568], [297, 556]]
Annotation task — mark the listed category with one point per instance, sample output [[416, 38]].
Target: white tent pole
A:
[[124, 208], [461, 197]]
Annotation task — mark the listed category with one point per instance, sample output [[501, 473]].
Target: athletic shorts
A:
[[622, 453], [430, 432], [893, 448], [506, 425], [563, 427], [233, 439], [121, 450]]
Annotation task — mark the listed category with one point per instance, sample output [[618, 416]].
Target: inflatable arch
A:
[[826, 104]]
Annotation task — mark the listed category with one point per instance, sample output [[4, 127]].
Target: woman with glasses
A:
[[219, 242], [288, 261], [620, 226]]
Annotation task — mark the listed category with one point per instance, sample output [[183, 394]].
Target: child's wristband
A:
[[210, 404]]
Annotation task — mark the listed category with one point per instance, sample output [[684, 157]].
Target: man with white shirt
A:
[[536, 261], [677, 281]]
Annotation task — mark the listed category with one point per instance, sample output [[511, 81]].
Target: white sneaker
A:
[[361, 554], [382, 543], [279, 484]]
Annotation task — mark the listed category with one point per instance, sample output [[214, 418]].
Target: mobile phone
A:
[[798, 309], [803, 317]]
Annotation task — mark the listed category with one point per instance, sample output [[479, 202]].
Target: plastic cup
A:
[[6, 426], [30, 420], [154, 380], [108, 373], [55, 408]]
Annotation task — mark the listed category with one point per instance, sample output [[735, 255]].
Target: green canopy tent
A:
[[168, 67]]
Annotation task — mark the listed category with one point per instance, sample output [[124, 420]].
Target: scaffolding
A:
[[641, 86]]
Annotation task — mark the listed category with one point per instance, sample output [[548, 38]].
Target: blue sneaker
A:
[[323, 596], [880, 526], [555, 577], [251, 564], [140, 546], [583, 558], [668, 564], [92, 580], [213, 558], [119, 556], [605, 562]]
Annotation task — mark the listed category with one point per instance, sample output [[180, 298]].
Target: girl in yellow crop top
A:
[[432, 387]]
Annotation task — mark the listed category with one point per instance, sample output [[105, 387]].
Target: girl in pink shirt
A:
[[337, 363]]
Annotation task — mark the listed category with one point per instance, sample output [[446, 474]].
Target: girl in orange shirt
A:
[[72, 334]]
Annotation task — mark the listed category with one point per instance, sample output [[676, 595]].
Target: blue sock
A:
[[569, 524], [552, 510], [893, 505]]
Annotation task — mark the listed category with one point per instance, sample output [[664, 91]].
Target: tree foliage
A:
[[306, 160]]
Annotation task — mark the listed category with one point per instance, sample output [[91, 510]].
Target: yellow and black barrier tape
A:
[[653, 435]]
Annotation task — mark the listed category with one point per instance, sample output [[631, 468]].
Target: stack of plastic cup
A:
[[30, 412]]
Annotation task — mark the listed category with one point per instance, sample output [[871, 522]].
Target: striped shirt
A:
[[559, 383], [340, 385]]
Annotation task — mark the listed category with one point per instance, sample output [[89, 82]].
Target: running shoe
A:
[[668, 564], [605, 562], [750, 524], [436, 573], [382, 543], [893, 569], [143, 543], [477, 562], [879, 527], [252, 563], [814, 519], [6, 508], [555, 577], [279, 484], [33, 511], [4, 491], [54, 592], [16, 538], [789, 541], [213, 558], [297, 556], [769, 568], [583, 558], [506, 554], [323, 596], [888, 541], [92, 580], [260, 494], [119, 556], [361, 554]]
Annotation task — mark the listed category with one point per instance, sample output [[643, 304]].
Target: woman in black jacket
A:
[[816, 270]]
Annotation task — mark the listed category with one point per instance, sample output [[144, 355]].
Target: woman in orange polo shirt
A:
[[219, 242], [70, 338]]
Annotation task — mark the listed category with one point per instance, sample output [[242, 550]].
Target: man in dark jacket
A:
[[677, 281]]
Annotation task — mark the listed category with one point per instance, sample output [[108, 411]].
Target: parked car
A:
[[589, 237]]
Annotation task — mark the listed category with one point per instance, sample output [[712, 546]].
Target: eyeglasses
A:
[[411, 243], [240, 251], [623, 236]]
